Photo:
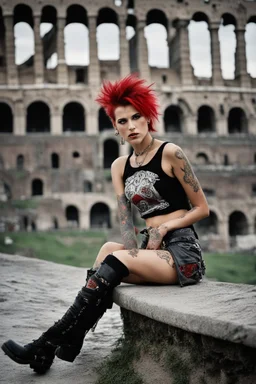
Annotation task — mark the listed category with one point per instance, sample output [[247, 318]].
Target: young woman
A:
[[158, 179]]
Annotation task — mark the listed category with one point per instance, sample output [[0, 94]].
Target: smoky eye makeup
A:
[[136, 116], [121, 121]]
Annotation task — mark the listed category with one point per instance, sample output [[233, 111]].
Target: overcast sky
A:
[[76, 41]]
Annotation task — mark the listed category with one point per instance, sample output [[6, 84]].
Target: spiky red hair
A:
[[129, 90]]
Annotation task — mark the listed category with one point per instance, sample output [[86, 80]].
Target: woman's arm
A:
[[181, 168], [124, 206]]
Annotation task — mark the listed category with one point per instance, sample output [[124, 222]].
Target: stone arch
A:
[[72, 216], [20, 162], [73, 118], [23, 13], [6, 125], [227, 53], [238, 224], [104, 121], [37, 187], [49, 42], [111, 152], [173, 118], [200, 44], [205, 119], [208, 225], [55, 160], [108, 16], [237, 121], [100, 216], [250, 30], [202, 158], [77, 22], [38, 118], [157, 21]]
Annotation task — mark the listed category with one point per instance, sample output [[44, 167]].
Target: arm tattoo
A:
[[189, 176], [154, 238], [165, 255], [133, 252], [126, 223]]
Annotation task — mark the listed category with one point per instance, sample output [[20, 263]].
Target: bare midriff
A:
[[158, 220]]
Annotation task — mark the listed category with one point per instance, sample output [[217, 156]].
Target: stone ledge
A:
[[221, 310]]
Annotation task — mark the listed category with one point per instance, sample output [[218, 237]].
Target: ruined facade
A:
[[57, 145]]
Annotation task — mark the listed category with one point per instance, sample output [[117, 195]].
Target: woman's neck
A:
[[143, 145]]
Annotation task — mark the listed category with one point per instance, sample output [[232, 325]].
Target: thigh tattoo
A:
[[133, 252], [165, 255]]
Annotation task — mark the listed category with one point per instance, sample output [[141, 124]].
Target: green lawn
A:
[[65, 247], [231, 267], [79, 248]]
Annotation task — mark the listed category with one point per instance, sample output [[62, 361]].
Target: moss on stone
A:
[[118, 368]]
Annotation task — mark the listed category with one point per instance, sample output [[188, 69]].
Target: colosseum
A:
[[57, 145]]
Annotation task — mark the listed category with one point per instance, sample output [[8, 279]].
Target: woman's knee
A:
[[108, 248]]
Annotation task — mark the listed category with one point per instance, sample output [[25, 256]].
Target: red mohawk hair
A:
[[129, 91]]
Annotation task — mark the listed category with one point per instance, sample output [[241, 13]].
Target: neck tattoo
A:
[[145, 151]]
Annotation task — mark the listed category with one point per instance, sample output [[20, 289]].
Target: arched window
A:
[[202, 158], [87, 186], [104, 121], [173, 119], [55, 160], [237, 122], [110, 152], [238, 224], [100, 216], [37, 187], [73, 118], [38, 118], [20, 162], [208, 225], [205, 119], [72, 216], [6, 125]]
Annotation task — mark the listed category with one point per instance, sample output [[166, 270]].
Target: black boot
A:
[[68, 333], [40, 353]]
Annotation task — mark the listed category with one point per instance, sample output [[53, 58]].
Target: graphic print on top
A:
[[140, 190]]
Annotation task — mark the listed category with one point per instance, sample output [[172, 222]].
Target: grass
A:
[[20, 204], [118, 368], [231, 267], [80, 248], [65, 247]]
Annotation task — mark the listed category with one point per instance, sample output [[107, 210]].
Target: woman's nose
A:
[[131, 127]]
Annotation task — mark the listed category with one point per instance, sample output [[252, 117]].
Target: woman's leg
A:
[[152, 266], [109, 248]]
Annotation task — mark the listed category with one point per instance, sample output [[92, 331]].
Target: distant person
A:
[[158, 179]]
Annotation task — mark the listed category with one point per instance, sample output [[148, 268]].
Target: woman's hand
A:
[[156, 236]]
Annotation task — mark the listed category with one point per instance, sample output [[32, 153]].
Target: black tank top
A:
[[151, 190]]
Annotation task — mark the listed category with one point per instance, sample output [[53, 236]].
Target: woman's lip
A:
[[133, 134]]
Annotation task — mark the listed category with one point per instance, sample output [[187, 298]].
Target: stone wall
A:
[[198, 334]]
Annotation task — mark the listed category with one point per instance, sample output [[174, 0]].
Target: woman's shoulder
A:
[[119, 163], [171, 149]]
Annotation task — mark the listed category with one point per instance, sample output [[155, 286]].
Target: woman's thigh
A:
[[155, 266]]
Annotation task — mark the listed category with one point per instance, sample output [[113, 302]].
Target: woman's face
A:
[[131, 125]]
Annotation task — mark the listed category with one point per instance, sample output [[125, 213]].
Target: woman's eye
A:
[[122, 121], [137, 116]]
